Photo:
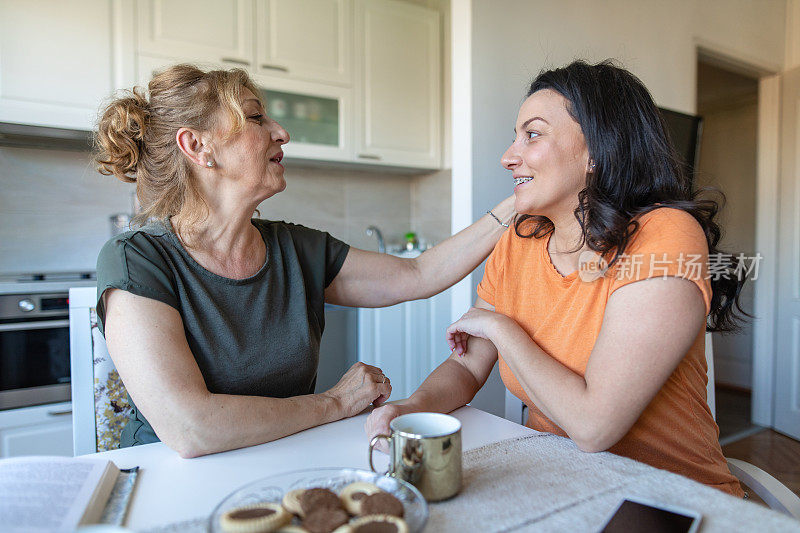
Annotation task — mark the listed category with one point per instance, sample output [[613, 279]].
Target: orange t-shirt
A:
[[563, 315]]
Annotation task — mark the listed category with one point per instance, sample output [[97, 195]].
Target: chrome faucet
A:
[[373, 230]]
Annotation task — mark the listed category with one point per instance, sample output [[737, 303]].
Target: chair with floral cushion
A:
[[100, 406]]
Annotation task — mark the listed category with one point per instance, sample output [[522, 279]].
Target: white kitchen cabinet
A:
[[55, 61], [318, 117], [407, 341], [398, 88], [204, 30], [305, 40], [296, 39], [147, 65], [38, 430], [372, 99]]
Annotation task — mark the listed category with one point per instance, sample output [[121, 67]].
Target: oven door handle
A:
[[35, 325]]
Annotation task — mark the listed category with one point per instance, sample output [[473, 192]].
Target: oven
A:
[[34, 349]]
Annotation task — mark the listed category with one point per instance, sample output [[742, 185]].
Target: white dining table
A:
[[170, 489], [515, 479]]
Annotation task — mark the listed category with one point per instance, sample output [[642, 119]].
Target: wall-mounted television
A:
[[685, 131]]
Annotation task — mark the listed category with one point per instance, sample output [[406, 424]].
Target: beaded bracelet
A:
[[497, 219]]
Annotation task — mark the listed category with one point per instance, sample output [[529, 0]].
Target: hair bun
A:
[[120, 131]]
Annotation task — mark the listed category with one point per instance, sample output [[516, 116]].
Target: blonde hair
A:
[[136, 136]]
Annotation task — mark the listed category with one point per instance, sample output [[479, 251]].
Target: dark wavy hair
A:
[[636, 171]]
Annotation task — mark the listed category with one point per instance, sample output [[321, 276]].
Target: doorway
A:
[[728, 103]]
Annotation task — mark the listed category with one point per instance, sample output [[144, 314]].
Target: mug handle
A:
[[372, 444]]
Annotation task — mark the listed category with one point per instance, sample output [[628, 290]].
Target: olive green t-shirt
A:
[[257, 336]]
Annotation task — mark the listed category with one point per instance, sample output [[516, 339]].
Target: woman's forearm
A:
[[557, 391], [449, 261], [219, 422], [369, 279], [447, 388]]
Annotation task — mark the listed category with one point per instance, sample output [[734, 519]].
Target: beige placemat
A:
[[545, 483]]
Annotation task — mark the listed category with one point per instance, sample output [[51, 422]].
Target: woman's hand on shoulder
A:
[[361, 386]]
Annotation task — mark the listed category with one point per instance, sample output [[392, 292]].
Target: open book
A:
[[54, 493]]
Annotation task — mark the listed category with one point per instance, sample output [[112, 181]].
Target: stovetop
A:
[[39, 282]]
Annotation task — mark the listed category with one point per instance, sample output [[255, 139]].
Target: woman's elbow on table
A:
[[591, 446], [593, 437], [187, 432], [188, 444]]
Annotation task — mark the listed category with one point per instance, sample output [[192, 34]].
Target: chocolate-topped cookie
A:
[[255, 518], [324, 520], [353, 495], [291, 501], [378, 524], [318, 498], [381, 503]]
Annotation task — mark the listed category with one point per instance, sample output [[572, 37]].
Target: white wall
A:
[[792, 58], [512, 40]]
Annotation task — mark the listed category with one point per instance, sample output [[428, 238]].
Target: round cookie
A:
[[258, 518], [378, 524], [354, 493], [381, 503], [317, 498], [324, 520], [291, 501]]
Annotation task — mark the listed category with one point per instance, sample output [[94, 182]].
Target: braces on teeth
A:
[[520, 181]]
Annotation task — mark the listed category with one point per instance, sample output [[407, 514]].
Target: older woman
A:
[[213, 319], [609, 356]]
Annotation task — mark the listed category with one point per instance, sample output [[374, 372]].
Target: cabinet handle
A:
[[275, 67], [237, 61], [65, 412], [370, 156]]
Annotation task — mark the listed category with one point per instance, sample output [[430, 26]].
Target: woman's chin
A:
[[526, 207]]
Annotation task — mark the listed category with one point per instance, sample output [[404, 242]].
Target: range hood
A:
[[27, 136]]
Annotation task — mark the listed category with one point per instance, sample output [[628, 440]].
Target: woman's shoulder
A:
[[670, 220], [669, 227], [138, 248], [669, 216]]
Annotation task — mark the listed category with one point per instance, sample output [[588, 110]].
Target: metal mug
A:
[[424, 450]]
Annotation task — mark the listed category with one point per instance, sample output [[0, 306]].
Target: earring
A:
[[591, 166], [209, 164]]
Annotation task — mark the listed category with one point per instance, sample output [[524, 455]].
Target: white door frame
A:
[[461, 138], [767, 180]]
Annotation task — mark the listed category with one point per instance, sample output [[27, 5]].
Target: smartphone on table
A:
[[635, 514]]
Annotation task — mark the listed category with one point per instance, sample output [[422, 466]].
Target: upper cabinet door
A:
[[208, 30], [398, 73], [305, 39], [60, 79]]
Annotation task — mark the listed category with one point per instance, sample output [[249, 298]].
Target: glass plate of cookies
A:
[[341, 500]]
